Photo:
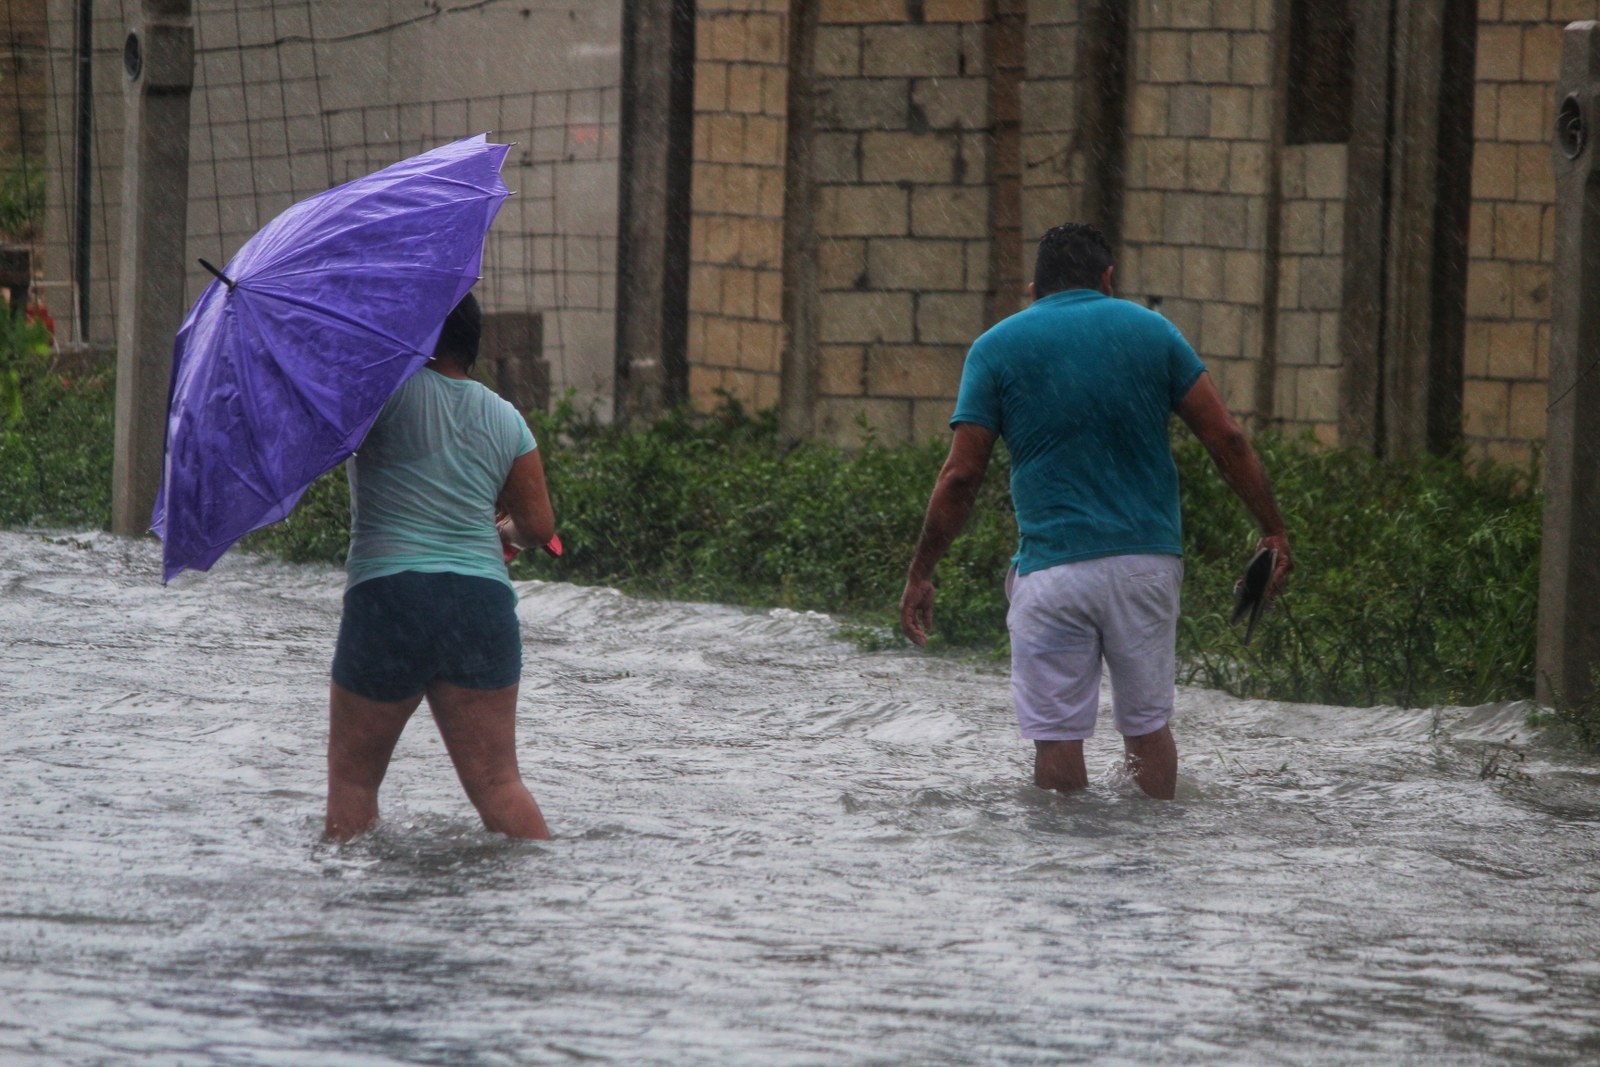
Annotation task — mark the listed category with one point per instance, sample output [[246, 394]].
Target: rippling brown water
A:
[[772, 849]]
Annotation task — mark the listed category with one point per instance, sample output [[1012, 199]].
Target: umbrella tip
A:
[[229, 282]]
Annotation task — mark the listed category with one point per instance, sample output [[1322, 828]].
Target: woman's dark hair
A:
[[1073, 255], [462, 331]]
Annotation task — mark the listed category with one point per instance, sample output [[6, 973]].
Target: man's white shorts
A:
[[1065, 619]]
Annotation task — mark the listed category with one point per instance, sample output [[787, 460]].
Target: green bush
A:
[[1416, 582], [55, 434]]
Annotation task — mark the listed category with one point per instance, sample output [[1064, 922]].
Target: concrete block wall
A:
[[1310, 289], [736, 330], [1513, 222], [903, 225], [1052, 173], [1195, 214]]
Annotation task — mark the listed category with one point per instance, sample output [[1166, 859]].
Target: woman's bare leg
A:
[[362, 734], [479, 727], [1059, 765]]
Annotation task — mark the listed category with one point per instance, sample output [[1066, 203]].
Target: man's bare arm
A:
[[948, 508], [1204, 412]]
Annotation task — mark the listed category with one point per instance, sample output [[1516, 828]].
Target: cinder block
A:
[[766, 38], [1208, 166], [1185, 215], [721, 341], [1210, 56], [740, 189], [1485, 111], [978, 263], [949, 318], [855, 11], [1166, 57], [769, 295], [1221, 329], [1524, 10], [1541, 53], [841, 264], [1202, 274], [1510, 349], [1164, 162], [769, 390], [863, 104], [1530, 291], [1230, 112], [1480, 230], [1488, 289], [745, 88], [1317, 394], [953, 10], [705, 288], [727, 138], [1227, 221], [918, 264], [858, 210], [1191, 14], [1142, 216], [1494, 171], [1297, 339], [710, 86], [1517, 229], [1527, 410], [769, 192], [915, 371], [1247, 168], [1302, 227], [720, 36], [865, 317], [760, 346], [845, 421], [1476, 350], [1500, 52], [1252, 59], [1148, 113], [1052, 51], [841, 370], [738, 294], [704, 382], [1327, 171], [898, 156], [930, 419], [836, 157], [1242, 274], [952, 103], [764, 140], [1525, 112], [1289, 281], [910, 50], [1161, 270], [1535, 176], [838, 51], [1328, 353], [1322, 283], [949, 211], [1234, 15], [1189, 111]]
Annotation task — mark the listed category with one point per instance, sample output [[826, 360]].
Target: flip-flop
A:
[[1250, 594]]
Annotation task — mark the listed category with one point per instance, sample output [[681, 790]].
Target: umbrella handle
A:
[[223, 278]]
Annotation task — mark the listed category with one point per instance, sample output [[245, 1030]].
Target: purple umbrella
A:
[[284, 362]]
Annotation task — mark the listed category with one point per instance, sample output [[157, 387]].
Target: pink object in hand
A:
[[553, 546]]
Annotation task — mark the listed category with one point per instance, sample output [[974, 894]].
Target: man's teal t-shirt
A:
[[424, 482], [1081, 385]]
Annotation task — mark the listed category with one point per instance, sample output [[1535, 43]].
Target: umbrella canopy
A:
[[283, 363]]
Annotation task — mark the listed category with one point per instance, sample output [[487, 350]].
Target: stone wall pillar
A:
[[158, 60]]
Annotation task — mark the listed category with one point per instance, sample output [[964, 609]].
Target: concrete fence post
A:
[[1569, 578], [158, 65]]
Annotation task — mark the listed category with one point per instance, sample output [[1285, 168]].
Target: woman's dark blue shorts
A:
[[402, 631]]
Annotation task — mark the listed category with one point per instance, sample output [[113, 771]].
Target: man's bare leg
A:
[[362, 734], [1059, 765], [479, 727], [1153, 759]]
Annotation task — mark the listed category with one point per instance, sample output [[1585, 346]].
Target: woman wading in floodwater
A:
[[428, 608]]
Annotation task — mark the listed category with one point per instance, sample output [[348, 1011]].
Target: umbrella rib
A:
[[338, 316]]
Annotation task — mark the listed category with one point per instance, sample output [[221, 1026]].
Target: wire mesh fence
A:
[[291, 97]]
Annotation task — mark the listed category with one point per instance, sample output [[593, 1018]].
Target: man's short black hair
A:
[[463, 329], [1073, 255]]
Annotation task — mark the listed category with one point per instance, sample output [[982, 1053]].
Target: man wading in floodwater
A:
[[1081, 386]]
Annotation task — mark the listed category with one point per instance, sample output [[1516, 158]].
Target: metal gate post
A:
[[1569, 578]]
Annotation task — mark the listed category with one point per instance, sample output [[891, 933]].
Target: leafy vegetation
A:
[[21, 199], [55, 434], [1416, 583]]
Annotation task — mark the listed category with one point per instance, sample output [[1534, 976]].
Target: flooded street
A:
[[771, 849]]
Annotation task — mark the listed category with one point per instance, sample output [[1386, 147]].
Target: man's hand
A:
[[916, 610], [1280, 574]]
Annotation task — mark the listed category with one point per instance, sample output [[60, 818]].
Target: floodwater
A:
[[771, 849]]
